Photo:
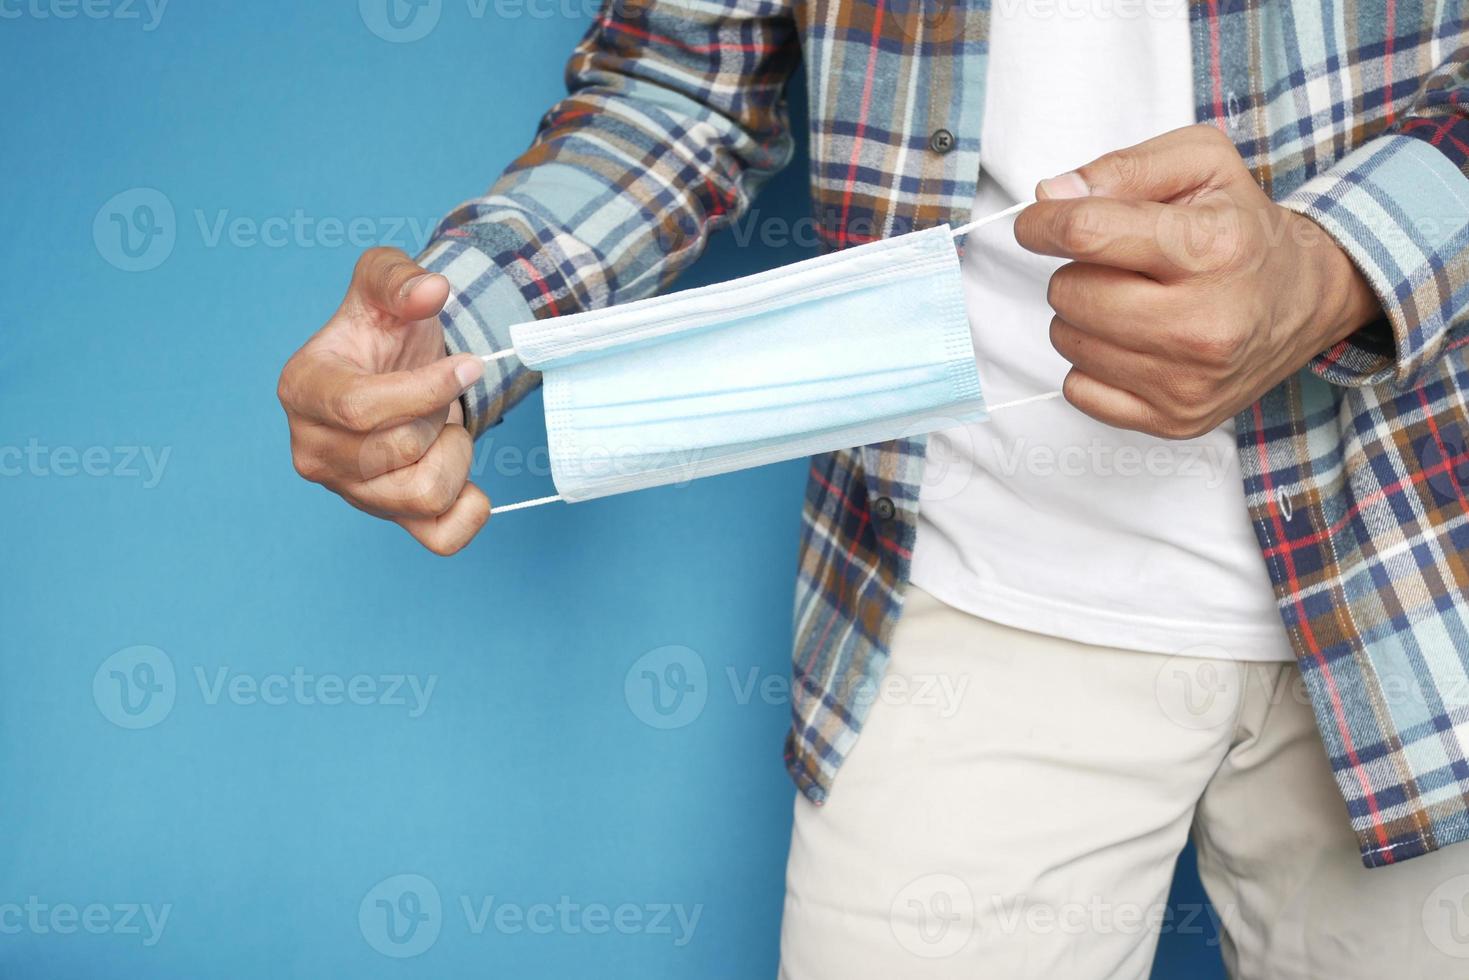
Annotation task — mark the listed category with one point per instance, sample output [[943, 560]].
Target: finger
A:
[[340, 457], [1111, 406], [1117, 305], [1101, 359], [1164, 242], [1166, 168], [456, 527], [1122, 234], [387, 281], [429, 487], [335, 392], [397, 446]]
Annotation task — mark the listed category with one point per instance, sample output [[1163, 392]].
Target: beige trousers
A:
[[1016, 803]]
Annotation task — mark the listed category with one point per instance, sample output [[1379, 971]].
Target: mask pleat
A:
[[856, 347]]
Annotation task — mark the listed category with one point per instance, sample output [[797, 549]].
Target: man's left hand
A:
[[1190, 293]]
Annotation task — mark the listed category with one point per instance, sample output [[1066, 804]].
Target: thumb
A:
[[1164, 169], [340, 394], [387, 281]]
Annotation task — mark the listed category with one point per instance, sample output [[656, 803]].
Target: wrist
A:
[[1339, 299]]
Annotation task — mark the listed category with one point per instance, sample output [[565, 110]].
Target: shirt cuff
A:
[[1397, 206], [483, 304]]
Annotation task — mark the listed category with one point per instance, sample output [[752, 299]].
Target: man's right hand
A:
[[373, 405]]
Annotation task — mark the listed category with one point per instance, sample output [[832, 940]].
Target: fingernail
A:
[[412, 284], [468, 371], [1065, 186]]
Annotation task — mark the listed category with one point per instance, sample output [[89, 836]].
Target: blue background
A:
[[532, 774]]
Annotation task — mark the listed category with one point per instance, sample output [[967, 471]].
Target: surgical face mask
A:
[[847, 349]]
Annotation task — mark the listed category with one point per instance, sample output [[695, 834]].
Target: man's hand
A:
[[373, 405], [1191, 294]]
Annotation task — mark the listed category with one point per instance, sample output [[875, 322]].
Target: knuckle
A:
[[1172, 425], [1193, 429], [1190, 400], [1190, 416], [1027, 229], [1082, 231], [1073, 390], [1062, 335], [352, 410], [1126, 169], [407, 443], [308, 465], [373, 460], [1156, 426], [286, 386], [1213, 137], [429, 394], [1061, 288], [374, 258], [377, 270], [1226, 248], [1211, 345], [442, 546], [1202, 240], [1220, 154], [433, 492]]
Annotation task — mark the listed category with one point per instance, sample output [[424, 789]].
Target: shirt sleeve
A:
[[1399, 206], [675, 116]]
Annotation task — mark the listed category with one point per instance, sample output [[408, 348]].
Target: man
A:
[[1281, 290]]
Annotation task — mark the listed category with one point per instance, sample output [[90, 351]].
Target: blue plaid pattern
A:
[[1355, 470]]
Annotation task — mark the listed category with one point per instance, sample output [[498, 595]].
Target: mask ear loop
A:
[[522, 505], [965, 229], [958, 233]]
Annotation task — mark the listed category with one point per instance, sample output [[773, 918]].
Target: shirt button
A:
[[942, 141], [883, 509]]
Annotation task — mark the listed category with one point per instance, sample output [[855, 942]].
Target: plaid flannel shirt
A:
[[1354, 470]]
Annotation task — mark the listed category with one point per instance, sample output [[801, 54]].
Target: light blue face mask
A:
[[859, 346]]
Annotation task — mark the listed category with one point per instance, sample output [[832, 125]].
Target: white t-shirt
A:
[[1042, 518]]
